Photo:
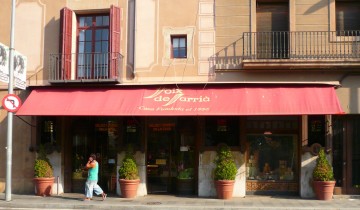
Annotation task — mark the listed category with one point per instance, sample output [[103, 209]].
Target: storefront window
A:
[[272, 157], [132, 132], [316, 130], [222, 130]]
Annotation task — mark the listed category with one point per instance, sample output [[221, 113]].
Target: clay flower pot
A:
[[44, 186], [324, 190], [224, 188], [129, 187]]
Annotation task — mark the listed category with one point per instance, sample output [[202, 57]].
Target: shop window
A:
[[272, 157], [178, 46], [222, 130], [48, 132], [132, 132], [316, 130], [347, 17]]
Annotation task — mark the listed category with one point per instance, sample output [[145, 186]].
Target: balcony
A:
[[85, 68], [291, 50]]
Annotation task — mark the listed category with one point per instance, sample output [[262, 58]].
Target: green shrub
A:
[[42, 166], [42, 169], [323, 170], [225, 168], [128, 169], [186, 174]]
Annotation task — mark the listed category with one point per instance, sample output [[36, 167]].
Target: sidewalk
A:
[[169, 202]]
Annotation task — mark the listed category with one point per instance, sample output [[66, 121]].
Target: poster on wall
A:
[[4, 63], [20, 64]]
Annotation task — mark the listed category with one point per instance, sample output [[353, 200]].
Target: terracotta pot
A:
[[324, 190], [129, 187], [44, 186], [224, 188]]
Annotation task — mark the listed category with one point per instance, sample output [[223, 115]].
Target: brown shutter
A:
[[114, 40], [65, 42]]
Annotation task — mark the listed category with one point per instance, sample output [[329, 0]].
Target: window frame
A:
[[93, 51], [178, 48]]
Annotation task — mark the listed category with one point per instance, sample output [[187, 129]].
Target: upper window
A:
[[93, 52], [93, 46], [347, 17], [178, 46]]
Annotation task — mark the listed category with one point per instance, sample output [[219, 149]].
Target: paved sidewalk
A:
[[169, 202]]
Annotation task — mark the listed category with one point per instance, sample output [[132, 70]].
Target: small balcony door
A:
[[272, 37]]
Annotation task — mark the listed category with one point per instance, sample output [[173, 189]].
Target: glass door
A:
[[161, 137]]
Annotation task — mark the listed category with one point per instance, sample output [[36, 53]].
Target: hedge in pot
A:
[[129, 175], [323, 178], [43, 174], [224, 172]]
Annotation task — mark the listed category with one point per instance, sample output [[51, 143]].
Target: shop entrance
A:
[[346, 154], [160, 156], [94, 135], [170, 154]]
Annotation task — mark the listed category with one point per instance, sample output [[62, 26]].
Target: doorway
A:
[[98, 136], [346, 154]]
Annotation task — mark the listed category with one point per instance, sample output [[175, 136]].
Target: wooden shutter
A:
[[114, 40], [65, 42]]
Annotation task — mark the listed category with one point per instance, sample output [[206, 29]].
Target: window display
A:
[[272, 157]]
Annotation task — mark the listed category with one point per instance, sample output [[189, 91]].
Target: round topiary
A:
[[128, 169], [42, 169], [225, 168], [323, 170]]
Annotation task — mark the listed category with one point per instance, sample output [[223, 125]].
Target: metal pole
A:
[[10, 114]]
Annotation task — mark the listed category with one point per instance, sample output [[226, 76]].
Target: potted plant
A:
[[323, 178], [185, 181], [43, 174], [224, 172], [129, 175]]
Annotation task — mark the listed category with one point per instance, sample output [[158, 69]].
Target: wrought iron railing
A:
[[301, 45], [85, 67], [294, 46]]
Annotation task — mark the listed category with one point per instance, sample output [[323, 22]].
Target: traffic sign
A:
[[11, 102]]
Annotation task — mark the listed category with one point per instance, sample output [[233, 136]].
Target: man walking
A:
[[91, 183]]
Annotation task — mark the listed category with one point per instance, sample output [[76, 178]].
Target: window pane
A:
[[88, 21], [182, 52], [82, 21], [175, 53], [81, 47], [88, 35], [175, 42], [272, 157], [82, 35], [105, 34], [98, 21], [98, 35], [105, 46], [88, 47], [182, 42], [97, 46], [105, 20], [222, 130]]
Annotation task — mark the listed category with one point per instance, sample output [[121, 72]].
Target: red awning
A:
[[194, 100]]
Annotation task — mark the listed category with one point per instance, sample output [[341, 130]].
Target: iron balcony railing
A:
[[85, 67], [286, 46], [301, 45]]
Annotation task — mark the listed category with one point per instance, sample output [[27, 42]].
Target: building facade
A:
[[274, 80]]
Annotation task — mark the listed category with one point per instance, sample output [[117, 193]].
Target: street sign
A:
[[11, 102]]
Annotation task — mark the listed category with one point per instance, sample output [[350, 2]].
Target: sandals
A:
[[104, 196]]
